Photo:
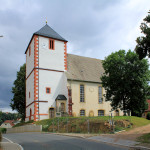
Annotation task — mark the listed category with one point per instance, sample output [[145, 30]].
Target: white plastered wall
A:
[[28, 112], [30, 88], [30, 59], [30, 80], [91, 99], [51, 59], [57, 81]]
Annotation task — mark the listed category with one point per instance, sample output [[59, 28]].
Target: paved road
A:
[[41, 141]]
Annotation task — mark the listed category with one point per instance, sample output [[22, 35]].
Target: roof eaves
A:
[[78, 80], [29, 43], [43, 36]]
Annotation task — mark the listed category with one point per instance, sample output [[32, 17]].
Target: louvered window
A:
[[51, 44]]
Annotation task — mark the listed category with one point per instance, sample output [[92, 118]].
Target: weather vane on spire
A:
[[46, 20]]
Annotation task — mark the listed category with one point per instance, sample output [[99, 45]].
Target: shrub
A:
[[3, 130], [148, 116], [0, 136]]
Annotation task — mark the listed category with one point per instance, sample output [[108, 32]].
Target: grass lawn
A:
[[135, 121], [144, 138], [78, 122], [23, 123]]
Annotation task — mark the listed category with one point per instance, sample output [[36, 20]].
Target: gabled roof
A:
[[61, 97], [49, 32], [11, 122], [148, 101], [81, 68]]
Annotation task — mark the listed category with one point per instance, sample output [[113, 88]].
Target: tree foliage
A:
[[18, 101], [143, 42], [8, 116], [125, 81], [148, 116]]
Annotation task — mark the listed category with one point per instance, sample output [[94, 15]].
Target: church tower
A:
[[46, 83]]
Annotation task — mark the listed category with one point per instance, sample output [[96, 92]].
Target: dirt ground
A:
[[132, 134]]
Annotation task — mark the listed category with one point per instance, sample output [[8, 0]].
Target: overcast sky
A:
[[93, 28]]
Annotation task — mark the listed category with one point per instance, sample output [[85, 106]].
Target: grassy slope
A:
[[136, 121], [144, 138], [23, 123]]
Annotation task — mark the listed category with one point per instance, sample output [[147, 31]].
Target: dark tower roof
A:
[[49, 32], [61, 97]]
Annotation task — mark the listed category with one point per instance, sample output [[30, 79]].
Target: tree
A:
[[125, 81], [18, 101], [8, 116], [148, 116], [143, 42]]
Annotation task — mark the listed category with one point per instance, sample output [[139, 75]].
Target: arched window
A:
[[51, 112], [62, 107], [117, 113]]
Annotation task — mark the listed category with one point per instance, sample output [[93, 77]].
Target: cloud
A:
[[7, 109], [93, 28]]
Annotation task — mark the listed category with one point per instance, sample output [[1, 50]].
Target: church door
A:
[[62, 107], [51, 113]]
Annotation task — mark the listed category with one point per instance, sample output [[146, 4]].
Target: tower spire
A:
[[46, 20]]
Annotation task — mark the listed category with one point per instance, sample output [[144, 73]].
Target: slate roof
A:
[[84, 68], [61, 97], [49, 32]]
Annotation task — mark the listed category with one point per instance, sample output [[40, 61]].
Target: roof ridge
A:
[[84, 56], [49, 32]]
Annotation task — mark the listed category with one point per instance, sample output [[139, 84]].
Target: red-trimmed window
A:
[[29, 94], [48, 90], [51, 44], [29, 50]]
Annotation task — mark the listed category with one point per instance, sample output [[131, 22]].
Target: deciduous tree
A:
[[143, 42], [18, 90], [126, 81]]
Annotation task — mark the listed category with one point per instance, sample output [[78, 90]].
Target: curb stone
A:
[[139, 148], [12, 144]]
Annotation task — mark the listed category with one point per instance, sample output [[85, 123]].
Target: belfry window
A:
[[51, 44]]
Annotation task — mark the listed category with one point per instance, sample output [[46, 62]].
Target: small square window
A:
[[82, 112], [100, 112], [48, 90]]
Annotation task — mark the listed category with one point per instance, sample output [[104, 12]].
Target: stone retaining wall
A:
[[26, 128]]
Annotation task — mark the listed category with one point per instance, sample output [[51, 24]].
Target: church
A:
[[62, 84]]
